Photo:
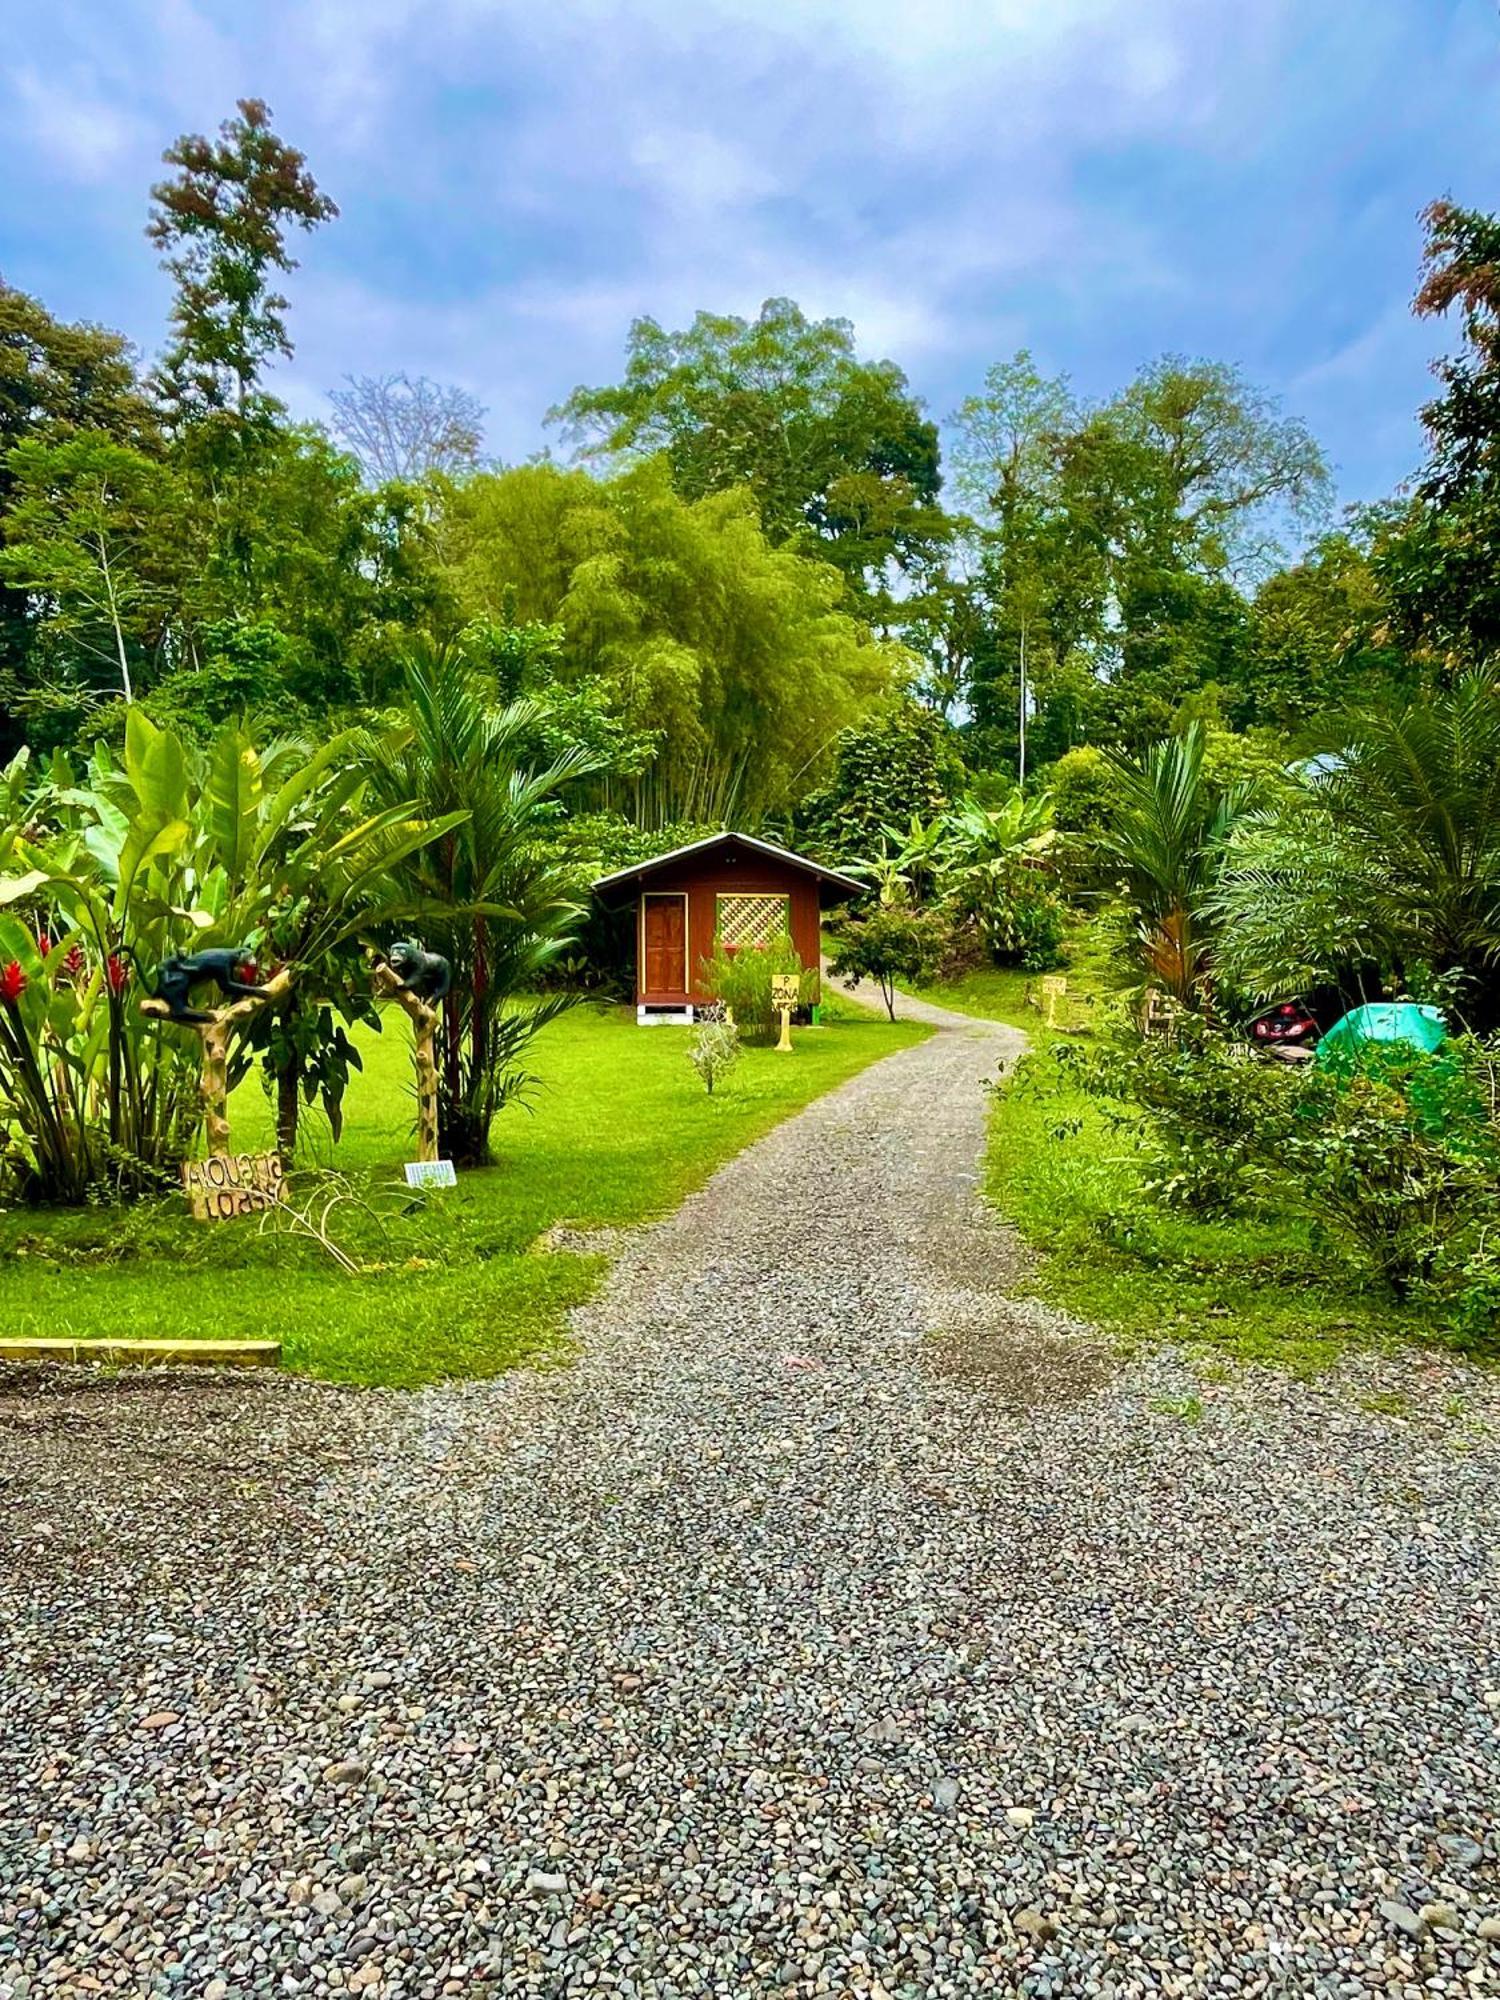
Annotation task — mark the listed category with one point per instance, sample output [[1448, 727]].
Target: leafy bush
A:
[[892, 944], [901, 762], [1023, 920], [1084, 791], [165, 848], [741, 981], [715, 1048], [1395, 1152]]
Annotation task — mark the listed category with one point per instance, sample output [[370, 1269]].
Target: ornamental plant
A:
[[715, 1047], [158, 850], [740, 978]]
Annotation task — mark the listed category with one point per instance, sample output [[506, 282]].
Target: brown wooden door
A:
[[665, 924]]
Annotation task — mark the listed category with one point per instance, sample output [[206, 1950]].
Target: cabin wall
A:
[[734, 873]]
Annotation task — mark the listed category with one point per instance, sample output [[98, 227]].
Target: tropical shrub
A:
[[1164, 844], [1396, 1153], [1388, 852], [1084, 789], [163, 848], [740, 979], [1022, 919], [995, 873]]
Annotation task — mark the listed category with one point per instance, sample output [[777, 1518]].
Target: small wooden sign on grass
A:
[[229, 1184]]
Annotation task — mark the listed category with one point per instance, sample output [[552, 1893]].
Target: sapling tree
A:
[[715, 1048]]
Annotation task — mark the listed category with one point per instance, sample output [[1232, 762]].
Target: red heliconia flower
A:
[[75, 960], [12, 982], [118, 974], [43, 943]]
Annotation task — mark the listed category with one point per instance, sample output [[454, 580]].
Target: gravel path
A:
[[837, 1625]]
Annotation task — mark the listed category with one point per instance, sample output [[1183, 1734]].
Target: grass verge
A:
[[619, 1131]]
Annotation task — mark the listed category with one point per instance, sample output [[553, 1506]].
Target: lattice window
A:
[[751, 920]]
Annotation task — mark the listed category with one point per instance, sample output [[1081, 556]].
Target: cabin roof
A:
[[640, 871]]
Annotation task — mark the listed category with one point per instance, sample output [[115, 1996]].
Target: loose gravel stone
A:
[[840, 1623]]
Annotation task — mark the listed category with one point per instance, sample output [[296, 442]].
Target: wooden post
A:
[[424, 1030], [213, 1034], [784, 990]]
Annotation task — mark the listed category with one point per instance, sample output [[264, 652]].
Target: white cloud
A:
[[82, 137]]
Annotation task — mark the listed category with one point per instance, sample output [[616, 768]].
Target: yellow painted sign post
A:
[[1054, 986], [785, 987]]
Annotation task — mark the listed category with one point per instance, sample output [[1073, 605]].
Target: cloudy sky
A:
[[1099, 180]]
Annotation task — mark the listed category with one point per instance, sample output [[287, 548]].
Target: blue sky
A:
[[1099, 180]]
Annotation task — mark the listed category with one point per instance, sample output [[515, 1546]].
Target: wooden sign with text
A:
[[785, 987], [230, 1184]]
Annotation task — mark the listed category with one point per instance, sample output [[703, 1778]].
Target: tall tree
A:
[[57, 380], [404, 427], [835, 450], [1440, 560], [742, 658], [221, 225], [95, 530]]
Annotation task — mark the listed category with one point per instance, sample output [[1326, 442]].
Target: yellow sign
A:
[[785, 987], [229, 1184], [1054, 986]]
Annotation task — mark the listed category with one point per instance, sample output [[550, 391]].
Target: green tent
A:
[[1387, 1021]]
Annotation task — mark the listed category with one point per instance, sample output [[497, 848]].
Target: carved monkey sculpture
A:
[[423, 974], [222, 966]]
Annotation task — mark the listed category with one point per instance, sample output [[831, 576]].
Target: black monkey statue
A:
[[185, 970], [423, 974]]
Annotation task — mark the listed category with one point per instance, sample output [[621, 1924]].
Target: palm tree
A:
[[1166, 839], [492, 893], [1388, 852]]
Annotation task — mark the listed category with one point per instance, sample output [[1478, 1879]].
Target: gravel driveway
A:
[[836, 1625]]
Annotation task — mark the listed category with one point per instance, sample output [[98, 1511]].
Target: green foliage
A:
[[740, 979], [1320, 641], [729, 659], [994, 874], [492, 895], [1165, 845], [1022, 919], [902, 762], [1389, 853], [835, 451], [1084, 789], [164, 848], [715, 1048], [94, 533], [893, 945], [1397, 1153]]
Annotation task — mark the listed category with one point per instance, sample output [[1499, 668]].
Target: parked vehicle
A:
[[1289, 1029]]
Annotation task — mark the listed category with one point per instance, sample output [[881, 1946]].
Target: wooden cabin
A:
[[730, 888]]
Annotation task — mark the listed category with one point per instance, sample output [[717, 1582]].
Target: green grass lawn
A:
[[619, 1131]]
